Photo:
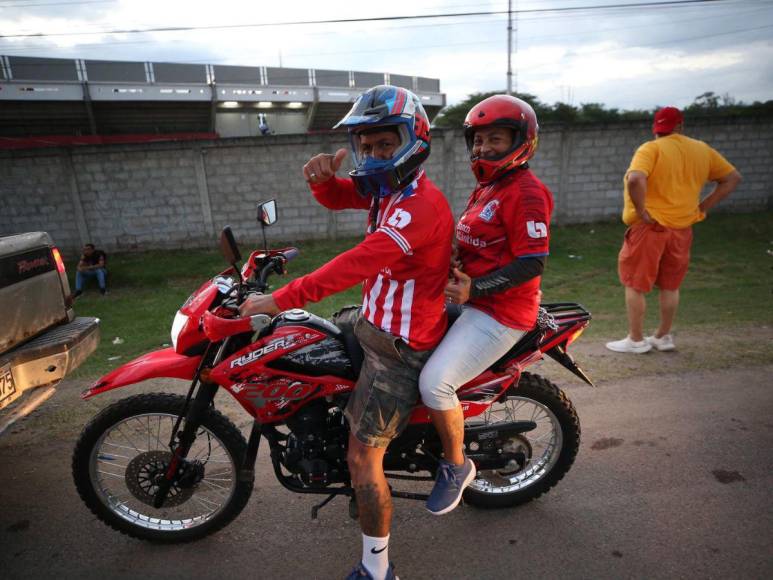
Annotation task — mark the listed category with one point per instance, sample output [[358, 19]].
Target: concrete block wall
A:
[[176, 195]]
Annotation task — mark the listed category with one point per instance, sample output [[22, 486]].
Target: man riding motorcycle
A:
[[403, 264]]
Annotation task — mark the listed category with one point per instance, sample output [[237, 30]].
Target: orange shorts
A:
[[654, 255]]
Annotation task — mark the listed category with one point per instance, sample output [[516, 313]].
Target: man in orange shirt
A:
[[662, 202]]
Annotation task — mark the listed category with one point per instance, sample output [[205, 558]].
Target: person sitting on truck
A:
[[91, 265]]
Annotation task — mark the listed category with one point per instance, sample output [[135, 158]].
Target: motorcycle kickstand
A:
[[315, 509]]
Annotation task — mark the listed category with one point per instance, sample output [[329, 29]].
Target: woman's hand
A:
[[455, 261], [258, 304], [458, 290]]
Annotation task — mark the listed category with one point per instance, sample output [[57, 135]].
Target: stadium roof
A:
[[48, 96]]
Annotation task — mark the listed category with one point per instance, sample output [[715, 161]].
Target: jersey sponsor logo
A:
[[399, 219], [489, 210], [536, 229], [471, 240]]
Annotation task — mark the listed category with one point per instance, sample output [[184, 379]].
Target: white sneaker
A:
[[628, 345], [664, 343]]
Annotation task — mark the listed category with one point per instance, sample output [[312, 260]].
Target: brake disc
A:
[[144, 473]]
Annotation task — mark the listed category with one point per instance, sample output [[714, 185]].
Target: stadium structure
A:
[[45, 101]]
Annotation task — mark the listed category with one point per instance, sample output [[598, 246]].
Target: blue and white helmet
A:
[[389, 107]]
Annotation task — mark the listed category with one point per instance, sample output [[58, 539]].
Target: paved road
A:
[[673, 480]]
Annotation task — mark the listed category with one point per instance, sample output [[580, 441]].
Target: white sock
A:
[[375, 556]]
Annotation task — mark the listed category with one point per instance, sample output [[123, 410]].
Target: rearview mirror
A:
[[267, 212], [228, 246]]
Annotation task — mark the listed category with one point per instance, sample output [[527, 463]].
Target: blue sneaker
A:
[[360, 572], [449, 485]]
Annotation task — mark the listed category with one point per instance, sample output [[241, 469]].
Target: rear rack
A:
[[566, 313]]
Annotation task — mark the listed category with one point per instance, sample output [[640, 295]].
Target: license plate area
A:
[[8, 391]]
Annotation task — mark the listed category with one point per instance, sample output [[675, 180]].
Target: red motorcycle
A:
[[172, 468]]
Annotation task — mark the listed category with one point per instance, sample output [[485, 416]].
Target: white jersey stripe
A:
[[405, 309], [374, 292], [399, 239], [398, 234], [386, 322]]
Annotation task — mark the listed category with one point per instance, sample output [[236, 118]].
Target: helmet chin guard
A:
[[392, 108], [502, 111]]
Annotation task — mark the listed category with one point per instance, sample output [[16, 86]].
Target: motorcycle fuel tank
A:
[[326, 357]]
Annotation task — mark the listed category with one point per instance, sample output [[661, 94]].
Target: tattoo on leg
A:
[[375, 507]]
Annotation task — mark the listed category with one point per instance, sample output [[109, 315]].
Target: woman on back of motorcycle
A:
[[502, 243]]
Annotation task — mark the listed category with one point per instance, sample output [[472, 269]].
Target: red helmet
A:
[[502, 111]]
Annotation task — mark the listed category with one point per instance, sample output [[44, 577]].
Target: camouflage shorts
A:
[[388, 386]]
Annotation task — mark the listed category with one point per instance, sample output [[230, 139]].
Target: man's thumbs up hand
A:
[[323, 166]]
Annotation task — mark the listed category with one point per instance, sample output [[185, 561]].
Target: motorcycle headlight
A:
[[180, 320]]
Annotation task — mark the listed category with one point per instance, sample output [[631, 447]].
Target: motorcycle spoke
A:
[[129, 440], [116, 475], [204, 502], [208, 481]]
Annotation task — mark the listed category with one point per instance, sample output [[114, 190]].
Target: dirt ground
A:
[[654, 426], [65, 414]]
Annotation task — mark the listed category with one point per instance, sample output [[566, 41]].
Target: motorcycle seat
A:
[[353, 348], [345, 322]]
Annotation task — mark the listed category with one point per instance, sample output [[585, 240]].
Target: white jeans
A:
[[473, 343]]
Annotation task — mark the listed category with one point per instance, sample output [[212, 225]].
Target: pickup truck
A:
[[41, 340]]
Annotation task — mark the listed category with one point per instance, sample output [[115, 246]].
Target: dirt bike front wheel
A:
[[123, 453], [548, 451]]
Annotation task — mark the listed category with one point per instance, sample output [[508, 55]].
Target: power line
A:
[[540, 18], [455, 44], [2, 6], [374, 19]]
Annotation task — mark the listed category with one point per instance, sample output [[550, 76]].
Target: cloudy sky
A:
[[625, 57]]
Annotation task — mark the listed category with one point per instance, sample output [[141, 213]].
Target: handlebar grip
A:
[[291, 253]]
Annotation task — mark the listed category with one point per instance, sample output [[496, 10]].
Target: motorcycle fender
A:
[[160, 363]]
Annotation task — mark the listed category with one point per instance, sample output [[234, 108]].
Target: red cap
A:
[[666, 119]]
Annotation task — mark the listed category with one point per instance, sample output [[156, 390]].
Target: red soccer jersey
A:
[[503, 221], [403, 263]]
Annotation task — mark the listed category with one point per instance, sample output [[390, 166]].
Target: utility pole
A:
[[515, 41], [509, 46]]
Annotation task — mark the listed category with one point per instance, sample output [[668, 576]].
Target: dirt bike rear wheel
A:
[[549, 450], [123, 451]]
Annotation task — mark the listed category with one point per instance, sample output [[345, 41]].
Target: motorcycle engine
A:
[[316, 446]]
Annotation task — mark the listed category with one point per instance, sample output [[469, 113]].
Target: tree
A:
[[597, 112], [707, 101], [704, 104], [453, 117]]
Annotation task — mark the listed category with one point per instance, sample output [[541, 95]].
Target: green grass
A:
[[728, 286]]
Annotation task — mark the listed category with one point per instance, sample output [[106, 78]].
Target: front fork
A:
[[185, 438], [193, 416]]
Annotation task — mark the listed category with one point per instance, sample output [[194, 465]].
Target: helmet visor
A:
[[368, 146]]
